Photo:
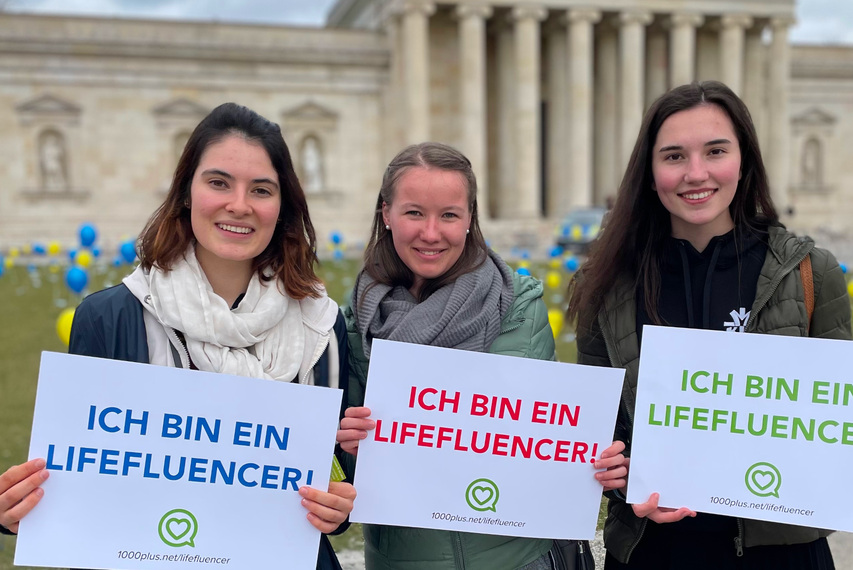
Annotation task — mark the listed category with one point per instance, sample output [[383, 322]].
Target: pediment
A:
[[310, 111], [814, 117], [48, 105], [180, 108]]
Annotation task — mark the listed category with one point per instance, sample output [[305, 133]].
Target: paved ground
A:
[[840, 542]]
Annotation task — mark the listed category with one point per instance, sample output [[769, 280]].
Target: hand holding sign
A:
[[326, 511], [20, 491], [354, 427]]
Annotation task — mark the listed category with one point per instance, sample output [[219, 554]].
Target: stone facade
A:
[[545, 97]]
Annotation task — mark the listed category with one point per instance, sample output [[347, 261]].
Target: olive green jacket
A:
[[524, 332], [779, 308]]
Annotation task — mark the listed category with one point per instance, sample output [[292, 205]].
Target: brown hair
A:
[[638, 225], [291, 253], [381, 261]]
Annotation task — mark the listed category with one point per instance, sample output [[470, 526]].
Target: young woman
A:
[[226, 283], [429, 278], [692, 240]]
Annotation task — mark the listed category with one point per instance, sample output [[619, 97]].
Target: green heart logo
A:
[[483, 495], [177, 528], [763, 479]]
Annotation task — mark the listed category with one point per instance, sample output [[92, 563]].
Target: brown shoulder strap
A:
[[808, 288]]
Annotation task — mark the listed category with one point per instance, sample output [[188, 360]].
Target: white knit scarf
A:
[[263, 337]]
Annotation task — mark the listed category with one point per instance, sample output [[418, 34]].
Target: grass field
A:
[[32, 300]]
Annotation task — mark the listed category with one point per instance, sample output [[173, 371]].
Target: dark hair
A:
[[381, 261], [638, 224], [291, 253]]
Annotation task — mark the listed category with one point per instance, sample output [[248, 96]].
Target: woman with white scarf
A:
[[226, 283], [429, 278]]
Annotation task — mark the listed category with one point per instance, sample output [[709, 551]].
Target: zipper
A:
[[318, 354], [457, 550], [786, 269], [739, 538], [185, 355]]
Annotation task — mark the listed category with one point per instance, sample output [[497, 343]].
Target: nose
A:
[[697, 171], [239, 203], [430, 231]]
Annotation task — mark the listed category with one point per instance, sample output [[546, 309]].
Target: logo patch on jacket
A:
[[738, 322]]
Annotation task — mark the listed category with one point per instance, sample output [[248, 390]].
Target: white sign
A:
[[158, 467], [744, 425], [483, 443]]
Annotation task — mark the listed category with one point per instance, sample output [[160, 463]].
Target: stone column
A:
[[555, 120], [682, 47], [657, 64], [607, 176], [632, 49], [472, 77], [527, 123], [755, 81], [415, 25], [779, 131], [732, 28], [581, 22]]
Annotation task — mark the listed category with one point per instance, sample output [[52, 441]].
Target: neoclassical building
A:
[[545, 97]]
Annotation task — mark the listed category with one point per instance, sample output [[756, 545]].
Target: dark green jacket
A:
[[525, 332], [779, 308]]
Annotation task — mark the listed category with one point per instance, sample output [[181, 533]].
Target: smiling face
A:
[[235, 202], [696, 164], [429, 218]]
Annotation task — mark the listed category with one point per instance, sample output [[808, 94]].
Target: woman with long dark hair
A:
[[226, 283], [693, 239]]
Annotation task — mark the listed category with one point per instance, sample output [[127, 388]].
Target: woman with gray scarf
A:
[[429, 278]]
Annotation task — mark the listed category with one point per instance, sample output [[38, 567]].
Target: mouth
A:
[[235, 229], [697, 195], [429, 252]]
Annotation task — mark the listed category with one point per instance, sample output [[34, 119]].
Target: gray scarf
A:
[[465, 314]]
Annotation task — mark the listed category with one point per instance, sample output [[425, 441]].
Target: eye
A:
[[717, 151], [263, 191], [413, 213], [673, 157], [217, 183], [450, 215]]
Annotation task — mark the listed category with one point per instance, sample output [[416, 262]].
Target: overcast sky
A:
[[819, 21]]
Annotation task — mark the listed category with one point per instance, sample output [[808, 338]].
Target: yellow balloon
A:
[[27, 249], [10, 262], [53, 267], [523, 264], [83, 258], [13, 252], [63, 325], [555, 264], [552, 280], [53, 248], [555, 317], [577, 232], [849, 286]]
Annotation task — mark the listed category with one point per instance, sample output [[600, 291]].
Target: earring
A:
[[467, 232], [187, 203], [387, 227]]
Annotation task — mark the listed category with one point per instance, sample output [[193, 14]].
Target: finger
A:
[[357, 412], [350, 447], [661, 516], [615, 448], [19, 511], [17, 473], [606, 463], [358, 423], [338, 495], [343, 435], [21, 488], [647, 508], [616, 473]]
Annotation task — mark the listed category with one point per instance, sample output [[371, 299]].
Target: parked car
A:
[[579, 228]]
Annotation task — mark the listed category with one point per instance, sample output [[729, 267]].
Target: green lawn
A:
[[31, 303]]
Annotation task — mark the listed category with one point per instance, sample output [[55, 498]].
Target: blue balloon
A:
[[128, 251], [522, 271], [96, 252], [32, 268], [572, 264], [843, 268], [336, 238], [2, 266], [117, 261], [76, 279], [338, 255], [525, 254], [556, 251], [88, 235], [39, 249], [72, 253]]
